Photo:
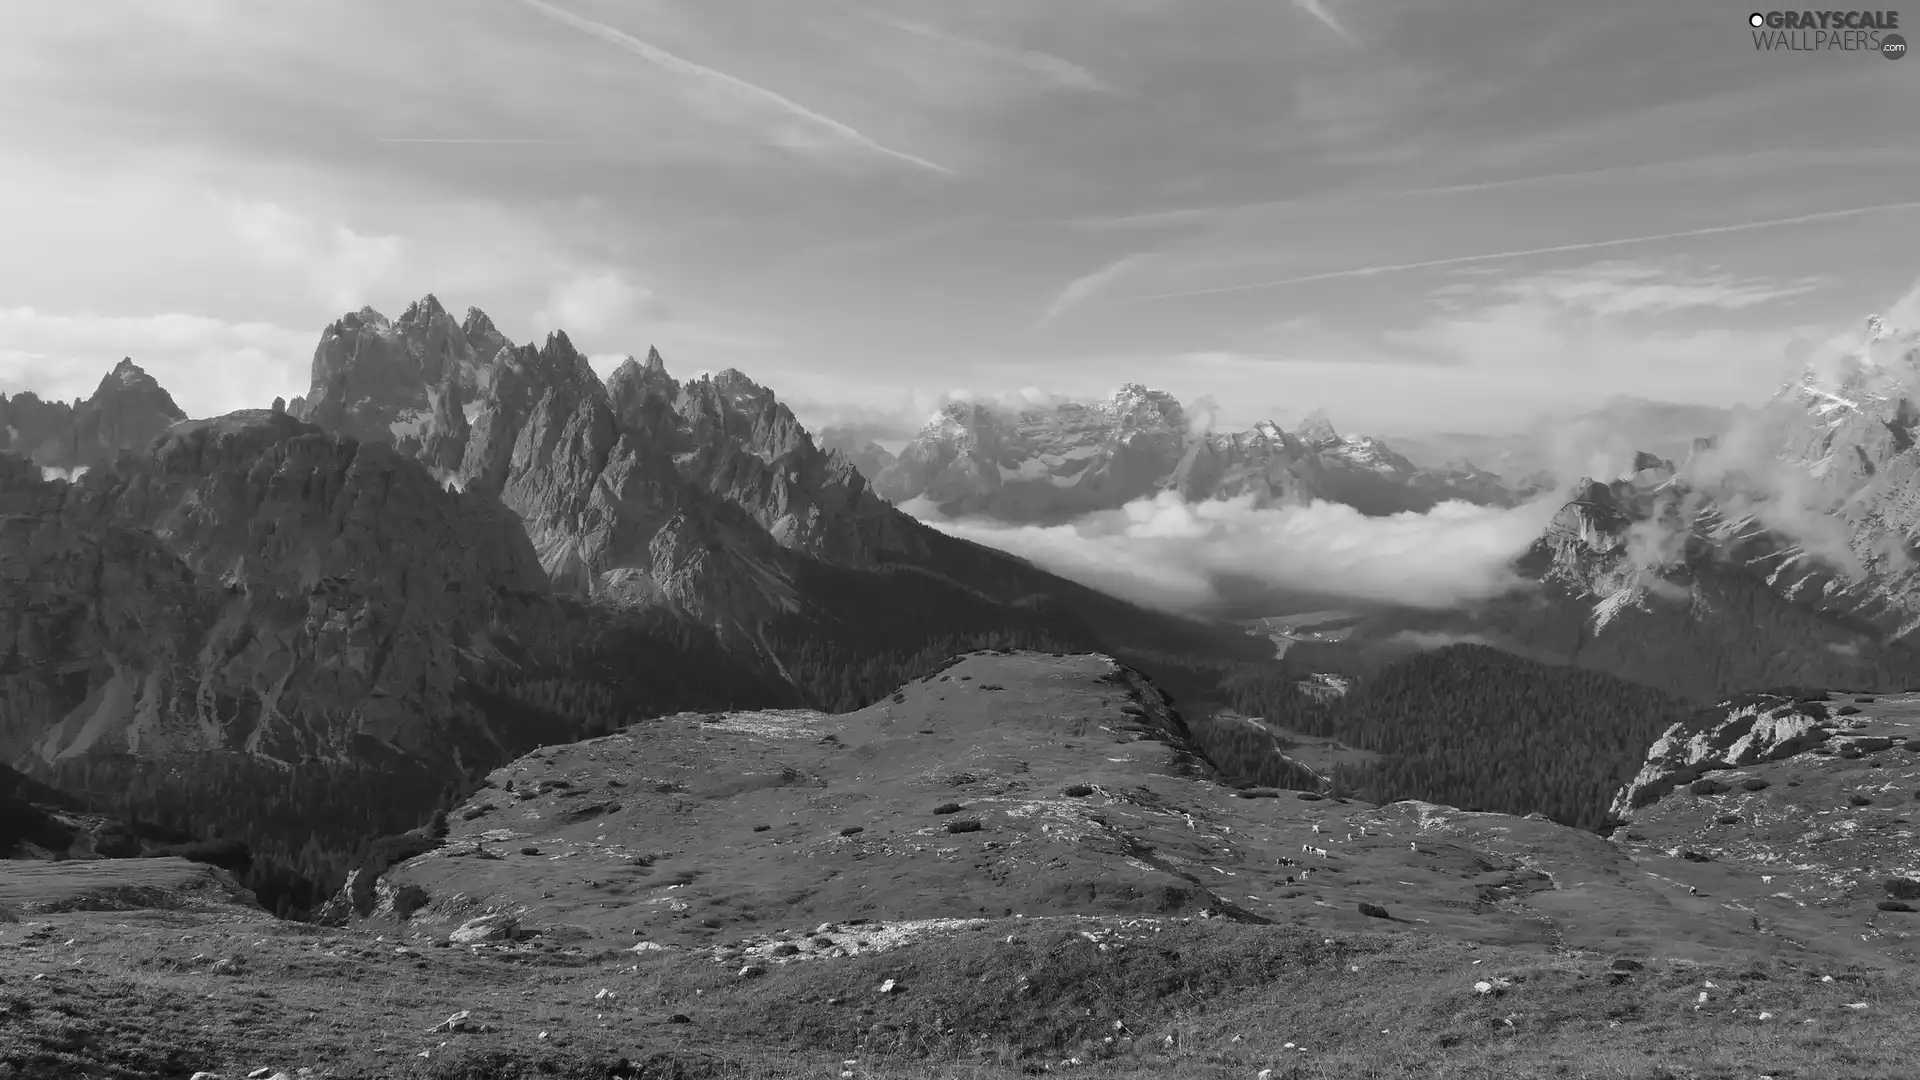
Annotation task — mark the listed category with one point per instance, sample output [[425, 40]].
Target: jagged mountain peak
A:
[[423, 310], [1317, 430], [735, 379], [633, 379], [1269, 431], [366, 316], [1137, 404], [1594, 493], [129, 378], [128, 409], [1594, 515], [557, 356], [477, 324]]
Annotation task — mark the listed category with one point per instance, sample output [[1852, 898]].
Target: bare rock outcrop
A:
[[1737, 733]]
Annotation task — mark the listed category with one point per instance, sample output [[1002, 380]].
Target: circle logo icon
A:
[[1893, 46], [1757, 19]]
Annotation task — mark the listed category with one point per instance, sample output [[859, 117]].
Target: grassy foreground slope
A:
[[727, 896], [141, 995]]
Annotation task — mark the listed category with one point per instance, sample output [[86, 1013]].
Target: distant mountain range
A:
[[1048, 464]]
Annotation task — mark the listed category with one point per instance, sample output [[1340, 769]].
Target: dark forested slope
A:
[[1472, 727]]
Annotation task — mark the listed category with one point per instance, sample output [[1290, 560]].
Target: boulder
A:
[[496, 927]]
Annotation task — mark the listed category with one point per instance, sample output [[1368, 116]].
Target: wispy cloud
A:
[[1625, 288], [1080, 289], [733, 84], [1318, 9], [1056, 70], [1556, 249]]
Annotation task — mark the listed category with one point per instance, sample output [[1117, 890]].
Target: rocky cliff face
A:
[[256, 586], [1049, 464], [408, 381], [127, 411]]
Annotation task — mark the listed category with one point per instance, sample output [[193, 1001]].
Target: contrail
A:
[[488, 142], [1591, 245], [680, 66], [1197, 213], [1084, 287], [1318, 9]]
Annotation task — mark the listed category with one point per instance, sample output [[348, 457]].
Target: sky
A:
[[1440, 215]]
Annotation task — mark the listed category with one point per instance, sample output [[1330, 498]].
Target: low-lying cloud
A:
[[1198, 558]]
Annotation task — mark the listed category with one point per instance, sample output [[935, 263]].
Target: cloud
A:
[[1087, 286], [208, 365], [1190, 557], [728, 84], [1557, 249], [596, 304], [341, 266], [1748, 481], [1620, 288]]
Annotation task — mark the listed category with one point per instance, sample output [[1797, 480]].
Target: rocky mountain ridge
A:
[[640, 490], [1050, 463], [128, 410]]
